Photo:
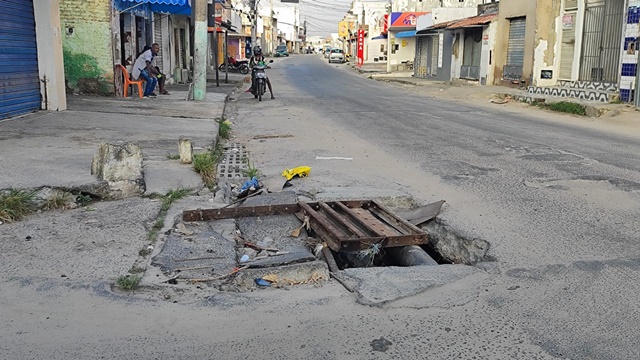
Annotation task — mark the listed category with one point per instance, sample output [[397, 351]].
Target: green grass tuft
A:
[[224, 129], [15, 205], [251, 170], [173, 156], [568, 107], [58, 200], [136, 270], [205, 165], [129, 282]]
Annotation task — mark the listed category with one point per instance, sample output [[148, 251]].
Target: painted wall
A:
[[406, 51], [548, 24], [50, 59], [88, 56], [629, 58], [488, 54], [512, 9]]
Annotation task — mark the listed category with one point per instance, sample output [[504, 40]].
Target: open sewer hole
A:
[[458, 249], [380, 258]]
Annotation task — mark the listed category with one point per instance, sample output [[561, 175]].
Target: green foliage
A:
[[564, 107], [568, 107], [173, 156], [129, 282], [83, 66], [58, 200], [224, 128], [84, 200], [173, 196], [15, 204], [251, 170], [136, 270], [205, 165]]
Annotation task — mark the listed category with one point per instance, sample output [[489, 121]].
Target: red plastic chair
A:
[[128, 82]]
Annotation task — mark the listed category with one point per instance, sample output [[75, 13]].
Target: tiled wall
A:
[[630, 52]]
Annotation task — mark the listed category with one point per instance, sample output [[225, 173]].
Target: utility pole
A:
[[200, 50], [254, 23]]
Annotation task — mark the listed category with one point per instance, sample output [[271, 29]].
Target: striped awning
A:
[[182, 7]]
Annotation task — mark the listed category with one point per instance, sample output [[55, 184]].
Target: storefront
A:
[[401, 40]]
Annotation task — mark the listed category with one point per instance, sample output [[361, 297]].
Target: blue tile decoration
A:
[[633, 15], [627, 41], [629, 69], [625, 95]]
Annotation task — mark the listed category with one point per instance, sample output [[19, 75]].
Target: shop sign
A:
[[405, 19], [360, 47]]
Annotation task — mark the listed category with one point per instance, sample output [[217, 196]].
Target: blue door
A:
[[19, 81]]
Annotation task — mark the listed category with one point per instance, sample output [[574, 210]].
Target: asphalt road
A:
[[557, 201]]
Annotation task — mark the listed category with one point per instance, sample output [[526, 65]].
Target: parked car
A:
[[281, 51], [336, 55]]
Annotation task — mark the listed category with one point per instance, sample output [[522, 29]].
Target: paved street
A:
[[557, 201]]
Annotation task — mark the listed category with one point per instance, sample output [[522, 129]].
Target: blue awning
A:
[[379, 37], [181, 7], [406, 34]]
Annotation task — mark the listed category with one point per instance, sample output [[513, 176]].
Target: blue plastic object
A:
[[250, 183], [262, 282]]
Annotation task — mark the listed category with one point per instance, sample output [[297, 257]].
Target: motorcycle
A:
[[241, 66], [261, 79]]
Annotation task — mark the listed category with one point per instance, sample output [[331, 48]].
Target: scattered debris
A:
[[262, 283], [236, 270], [244, 258], [300, 171], [514, 287], [422, 214], [381, 344], [333, 158], [305, 225], [275, 136], [180, 228], [200, 258]]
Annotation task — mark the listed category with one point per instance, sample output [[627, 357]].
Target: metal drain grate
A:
[[234, 161]]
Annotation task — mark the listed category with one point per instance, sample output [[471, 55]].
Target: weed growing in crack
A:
[[15, 205], [173, 156], [58, 200], [251, 170], [144, 252], [136, 270], [224, 130], [167, 200], [564, 107], [205, 165], [128, 282], [83, 199]]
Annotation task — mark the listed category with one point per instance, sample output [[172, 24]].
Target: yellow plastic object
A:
[[302, 171]]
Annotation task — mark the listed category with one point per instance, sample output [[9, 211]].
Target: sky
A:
[[323, 15]]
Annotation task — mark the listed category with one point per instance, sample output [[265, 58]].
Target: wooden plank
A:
[[322, 221], [355, 218], [243, 211], [342, 220], [410, 228], [373, 222], [333, 243]]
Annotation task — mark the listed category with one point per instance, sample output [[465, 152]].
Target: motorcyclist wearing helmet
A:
[[255, 59]]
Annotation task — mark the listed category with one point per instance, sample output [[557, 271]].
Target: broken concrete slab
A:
[[163, 176], [456, 247], [278, 228], [382, 285], [305, 273], [421, 214], [208, 252]]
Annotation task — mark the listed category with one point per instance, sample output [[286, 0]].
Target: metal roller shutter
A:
[[157, 37], [515, 50], [19, 80]]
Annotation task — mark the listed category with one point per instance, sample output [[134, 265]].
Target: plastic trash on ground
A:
[[301, 171]]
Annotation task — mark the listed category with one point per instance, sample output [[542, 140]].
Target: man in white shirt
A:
[[142, 68]]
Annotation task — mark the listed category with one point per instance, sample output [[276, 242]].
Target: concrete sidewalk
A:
[[55, 149], [469, 90]]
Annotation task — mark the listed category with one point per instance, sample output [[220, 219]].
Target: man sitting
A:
[[143, 68]]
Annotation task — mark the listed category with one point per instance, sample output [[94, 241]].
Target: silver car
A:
[[336, 55]]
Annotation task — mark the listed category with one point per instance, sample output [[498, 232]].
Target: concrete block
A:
[[186, 150], [121, 167]]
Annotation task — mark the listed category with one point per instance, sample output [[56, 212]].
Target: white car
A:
[[336, 55]]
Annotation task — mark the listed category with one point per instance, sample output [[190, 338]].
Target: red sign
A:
[[385, 27], [360, 47]]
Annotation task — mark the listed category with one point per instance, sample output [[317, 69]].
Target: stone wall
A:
[[88, 54]]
